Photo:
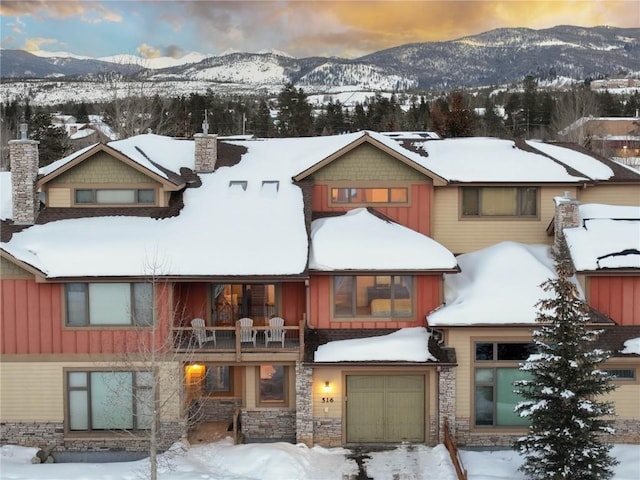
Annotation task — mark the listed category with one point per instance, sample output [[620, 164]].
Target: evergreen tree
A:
[[567, 420], [294, 117], [54, 142]]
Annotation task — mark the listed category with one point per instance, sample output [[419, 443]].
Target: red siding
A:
[[417, 216], [618, 297], [428, 296], [33, 323]]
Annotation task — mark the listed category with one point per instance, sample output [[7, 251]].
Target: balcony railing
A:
[[228, 340]]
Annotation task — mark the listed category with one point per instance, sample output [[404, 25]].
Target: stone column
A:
[[304, 405], [24, 158], [206, 152], [567, 215], [446, 400]]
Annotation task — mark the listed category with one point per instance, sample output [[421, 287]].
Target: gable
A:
[[367, 163], [101, 168], [10, 270]]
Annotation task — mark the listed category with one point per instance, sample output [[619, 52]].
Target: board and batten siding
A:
[[616, 296], [34, 391], [468, 235], [33, 323], [427, 296]]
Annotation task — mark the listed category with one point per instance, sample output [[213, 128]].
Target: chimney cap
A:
[[23, 130]]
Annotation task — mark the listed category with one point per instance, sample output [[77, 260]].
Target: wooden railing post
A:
[[451, 446]]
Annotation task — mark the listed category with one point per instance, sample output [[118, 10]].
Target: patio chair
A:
[[275, 332], [247, 332], [202, 336]]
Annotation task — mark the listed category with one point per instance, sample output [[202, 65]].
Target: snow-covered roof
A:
[[631, 346], [6, 200], [359, 240], [581, 162], [498, 285], [406, 344], [608, 238]]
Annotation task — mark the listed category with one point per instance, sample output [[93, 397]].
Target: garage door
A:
[[385, 408]]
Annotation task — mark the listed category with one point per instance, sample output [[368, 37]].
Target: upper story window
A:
[[373, 296], [375, 195], [115, 196], [232, 301], [109, 304], [499, 201]]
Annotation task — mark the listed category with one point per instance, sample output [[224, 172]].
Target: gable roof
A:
[[608, 238]]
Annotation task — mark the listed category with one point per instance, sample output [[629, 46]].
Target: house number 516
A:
[[327, 399]]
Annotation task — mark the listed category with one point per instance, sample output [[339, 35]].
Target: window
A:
[[378, 296], [370, 195], [217, 380], [123, 196], [272, 385], [232, 301], [109, 401], [621, 374], [109, 304], [496, 368], [499, 201], [237, 185]]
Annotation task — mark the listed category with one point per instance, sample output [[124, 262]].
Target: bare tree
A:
[[569, 121]]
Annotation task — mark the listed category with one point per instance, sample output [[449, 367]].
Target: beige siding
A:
[[11, 270], [334, 377], [102, 168], [611, 194], [626, 399], [34, 392], [461, 236], [367, 162], [59, 197]]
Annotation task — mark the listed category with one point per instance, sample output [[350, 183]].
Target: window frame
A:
[[389, 194], [93, 193], [495, 363], [519, 206], [622, 380], [86, 307], [229, 387], [136, 386], [285, 387], [393, 316]]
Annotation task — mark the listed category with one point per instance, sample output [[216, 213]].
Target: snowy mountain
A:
[[496, 57]]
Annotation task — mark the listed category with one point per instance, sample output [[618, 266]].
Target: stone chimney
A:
[[567, 215], [23, 157], [206, 153]]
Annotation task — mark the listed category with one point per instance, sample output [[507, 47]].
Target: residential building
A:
[[129, 268]]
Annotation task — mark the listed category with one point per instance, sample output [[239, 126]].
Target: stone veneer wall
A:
[[24, 159], [304, 405], [446, 401], [206, 152], [627, 431], [327, 432], [268, 424], [51, 437], [216, 409]]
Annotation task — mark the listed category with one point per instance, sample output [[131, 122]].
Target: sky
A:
[[283, 461], [347, 29]]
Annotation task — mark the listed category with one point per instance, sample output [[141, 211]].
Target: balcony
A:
[[228, 342]]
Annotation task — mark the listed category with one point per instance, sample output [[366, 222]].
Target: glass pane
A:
[[499, 201], [77, 379], [343, 295], [116, 196], [515, 351], [84, 196], [340, 195], [484, 351], [527, 201], [484, 375], [272, 384], [110, 303], [78, 410], [144, 379], [507, 400], [143, 303], [470, 203], [364, 285], [377, 195], [146, 196], [217, 379], [111, 400], [484, 405], [76, 303], [399, 195], [402, 303], [144, 408]]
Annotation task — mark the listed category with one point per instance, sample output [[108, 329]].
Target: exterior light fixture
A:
[[327, 387]]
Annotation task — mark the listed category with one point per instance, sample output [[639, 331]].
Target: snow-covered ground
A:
[[283, 461]]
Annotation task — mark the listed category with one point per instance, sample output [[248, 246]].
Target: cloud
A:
[[173, 51], [87, 11], [35, 44], [147, 51]]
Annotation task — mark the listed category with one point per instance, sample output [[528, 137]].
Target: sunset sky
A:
[[301, 28]]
